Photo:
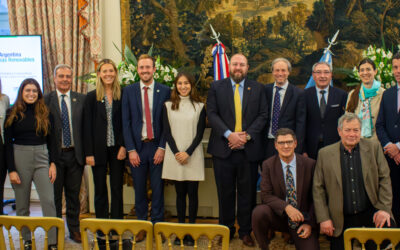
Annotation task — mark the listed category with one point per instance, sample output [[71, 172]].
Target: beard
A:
[[238, 77]]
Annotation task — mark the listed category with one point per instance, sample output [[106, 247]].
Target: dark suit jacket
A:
[[292, 114], [273, 188], [221, 116], [77, 103], [95, 127], [388, 121], [132, 115], [326, 125]]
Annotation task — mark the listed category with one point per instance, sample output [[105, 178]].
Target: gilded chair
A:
[[376, 234], [32, 223], [118, 226], [195, 230]]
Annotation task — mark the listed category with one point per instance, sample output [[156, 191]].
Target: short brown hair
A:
[[146, 56], [285, 131]]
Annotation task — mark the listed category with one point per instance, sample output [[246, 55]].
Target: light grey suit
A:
[[327, 186]]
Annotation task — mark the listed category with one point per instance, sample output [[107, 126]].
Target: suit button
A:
[[395, 126]]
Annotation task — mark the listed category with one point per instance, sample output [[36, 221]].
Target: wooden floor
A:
[[235, 244]]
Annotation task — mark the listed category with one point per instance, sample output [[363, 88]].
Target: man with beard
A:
[[286, 104], [237, 112], [142, 105]]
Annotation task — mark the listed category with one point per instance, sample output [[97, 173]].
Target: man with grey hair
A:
[[351, 186], [66, 107], [287, 109], [324, 105]]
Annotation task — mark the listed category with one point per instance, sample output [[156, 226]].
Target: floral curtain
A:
[[70, 32]]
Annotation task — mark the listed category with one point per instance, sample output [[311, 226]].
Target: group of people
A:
[[322, 166]]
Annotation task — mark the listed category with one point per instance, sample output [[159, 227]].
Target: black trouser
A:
[[236, 173], [69, 178], [189, 188], [395, 178], [363, 219], [116, 171]]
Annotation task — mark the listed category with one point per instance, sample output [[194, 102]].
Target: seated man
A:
[[286, 195], [351, 183]]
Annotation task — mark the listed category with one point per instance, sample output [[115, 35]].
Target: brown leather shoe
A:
[[140, 236], [248, 241], [75, 236]]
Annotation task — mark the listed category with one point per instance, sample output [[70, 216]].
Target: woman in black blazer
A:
[[103, 142]]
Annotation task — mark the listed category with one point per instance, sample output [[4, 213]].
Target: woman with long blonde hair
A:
[[31, 154], [103, 142]]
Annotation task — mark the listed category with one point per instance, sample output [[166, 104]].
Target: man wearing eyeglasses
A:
[[351, 186], [286, 183], [324, 105]]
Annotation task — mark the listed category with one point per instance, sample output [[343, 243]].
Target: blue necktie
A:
[[291, 194], [275, 111], [66, 132]]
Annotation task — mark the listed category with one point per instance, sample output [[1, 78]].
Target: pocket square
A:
[[334, 105]]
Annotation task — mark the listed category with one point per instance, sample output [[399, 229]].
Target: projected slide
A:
[[20, 58]]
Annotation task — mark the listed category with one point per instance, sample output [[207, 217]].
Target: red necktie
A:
[[147, 114]]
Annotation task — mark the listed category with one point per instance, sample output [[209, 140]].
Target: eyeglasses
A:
[[282, 143], [322, 72]]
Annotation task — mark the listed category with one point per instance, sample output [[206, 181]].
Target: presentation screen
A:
[[20, 58]]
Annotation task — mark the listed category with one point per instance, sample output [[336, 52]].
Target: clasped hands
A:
[[304, 230], [237, 139], [393, 152]]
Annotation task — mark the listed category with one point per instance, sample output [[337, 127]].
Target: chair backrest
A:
[[32, 223], [118, 226], [376, 234], [195, 230]]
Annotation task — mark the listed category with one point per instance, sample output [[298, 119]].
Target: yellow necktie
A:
[[238, 110]]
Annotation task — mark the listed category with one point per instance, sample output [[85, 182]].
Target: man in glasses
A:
[[286, 195], [325, 105]]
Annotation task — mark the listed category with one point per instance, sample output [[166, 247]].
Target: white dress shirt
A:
[[282, 93], [67, 99], [150, 93], [325, 95]]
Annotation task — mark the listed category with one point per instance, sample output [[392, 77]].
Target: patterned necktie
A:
[[276, 110], [238, 110], [322, 103], [66, 132], [149, 127], [291, 194]]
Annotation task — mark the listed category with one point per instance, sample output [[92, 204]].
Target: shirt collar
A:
[[326, 89], [284, 85], [59, 94], [151, 86], [355, 149], [241, 83], [292, 163]]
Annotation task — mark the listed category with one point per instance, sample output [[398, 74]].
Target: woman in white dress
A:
[[184, 120]]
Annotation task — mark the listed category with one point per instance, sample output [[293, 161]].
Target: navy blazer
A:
[[95, 127], [221, 117], [327, 125], [388, 121], [77, 103], [292, 114], [132, 115]]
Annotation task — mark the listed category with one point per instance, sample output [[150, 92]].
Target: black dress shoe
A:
[[248, 241], [188, 240], [75, 236], [177, 241], [28, 245]]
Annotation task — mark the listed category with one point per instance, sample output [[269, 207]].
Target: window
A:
[[4, 24]]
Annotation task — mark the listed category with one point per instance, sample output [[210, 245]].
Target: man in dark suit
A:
[[66, 107], [286, 104], [325, 105], [142, 105], [237, 112], [286, 194], [388, 132]]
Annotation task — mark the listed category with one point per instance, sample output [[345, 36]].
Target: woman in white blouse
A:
[[184, 119], [4, 105]]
